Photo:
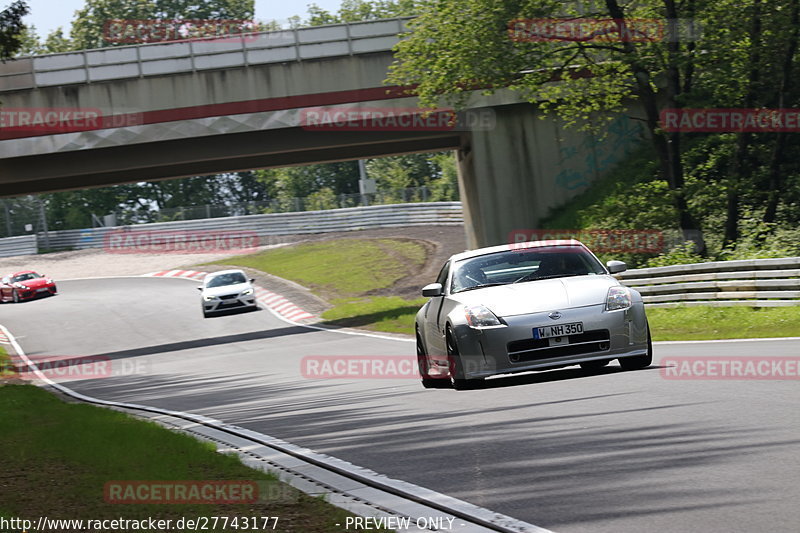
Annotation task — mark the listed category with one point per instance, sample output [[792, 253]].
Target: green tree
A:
[[457, 45], [360, 10], [302, 181], [13, 33]]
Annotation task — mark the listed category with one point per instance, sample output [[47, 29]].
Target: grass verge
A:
[[58, 457], [341, 268], [709, 323], [384, 313], [6, 368]]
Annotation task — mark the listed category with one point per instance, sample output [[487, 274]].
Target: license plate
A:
[[559, 330], [43, 290]]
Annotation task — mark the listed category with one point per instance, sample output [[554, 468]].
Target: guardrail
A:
[[22, 245], [153, 59], [299, 223], [751, 282]]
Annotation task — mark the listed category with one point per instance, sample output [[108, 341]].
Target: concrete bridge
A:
[[167, 110]]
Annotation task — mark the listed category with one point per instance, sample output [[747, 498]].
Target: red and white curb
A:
[[273, 301]]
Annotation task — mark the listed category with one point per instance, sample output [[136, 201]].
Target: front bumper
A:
[[30, 294], [226, 302], [512, 348]]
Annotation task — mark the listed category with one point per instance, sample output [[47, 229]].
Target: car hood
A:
[[226, 289], [35, 283], [539, 296]]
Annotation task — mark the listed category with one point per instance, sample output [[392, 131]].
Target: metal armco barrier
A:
[[751, 282], [23, 245], [298, 223]]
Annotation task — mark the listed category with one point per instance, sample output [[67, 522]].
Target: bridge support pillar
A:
[[513, 175]]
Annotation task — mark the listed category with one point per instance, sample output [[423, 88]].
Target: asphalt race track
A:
[[567, 450]]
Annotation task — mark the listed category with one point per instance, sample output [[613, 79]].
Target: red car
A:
[[25, 285]]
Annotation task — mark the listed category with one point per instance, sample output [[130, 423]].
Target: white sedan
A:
[[227, 289]]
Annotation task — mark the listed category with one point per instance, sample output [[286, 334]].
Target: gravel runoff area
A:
[[442, 242]]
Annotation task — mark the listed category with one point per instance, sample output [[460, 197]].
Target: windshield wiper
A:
[[481, 286]]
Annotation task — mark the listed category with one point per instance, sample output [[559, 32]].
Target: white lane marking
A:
[[334, 463]]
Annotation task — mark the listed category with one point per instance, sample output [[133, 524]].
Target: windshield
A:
[[515, 266], [26, 276], [232, 278]]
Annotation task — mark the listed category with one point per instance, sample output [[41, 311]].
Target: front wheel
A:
[[639, 361], [456, 364], [15, 296]]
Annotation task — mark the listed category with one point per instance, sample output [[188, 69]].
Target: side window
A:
[[442, 277]]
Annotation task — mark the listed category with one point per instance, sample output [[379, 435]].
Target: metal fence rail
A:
[[294, 204], [306, 222], [751, 282], [23, 245], [154, 59]]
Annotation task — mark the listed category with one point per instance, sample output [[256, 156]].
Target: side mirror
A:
[[200, 288], [252, 280], [615, 267], [434, 289]]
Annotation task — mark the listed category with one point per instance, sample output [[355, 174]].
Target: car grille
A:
[[228, 297], [525, 350]]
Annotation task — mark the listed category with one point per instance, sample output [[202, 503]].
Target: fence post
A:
[[8, 219], [43, 215]]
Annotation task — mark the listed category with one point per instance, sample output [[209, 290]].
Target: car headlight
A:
[[21, 286], [618, 298], [247, 292], [208, 298], [479, 316]]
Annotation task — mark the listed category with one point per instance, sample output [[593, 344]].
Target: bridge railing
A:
[[751, 282], [191, 55]]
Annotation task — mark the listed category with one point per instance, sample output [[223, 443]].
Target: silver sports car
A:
[[528, 306]]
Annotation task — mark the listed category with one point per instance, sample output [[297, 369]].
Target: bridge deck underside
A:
[[208, 155]]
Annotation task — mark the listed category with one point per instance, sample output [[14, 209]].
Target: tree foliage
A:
[[721, 53], [90, 22], [12, 30]]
